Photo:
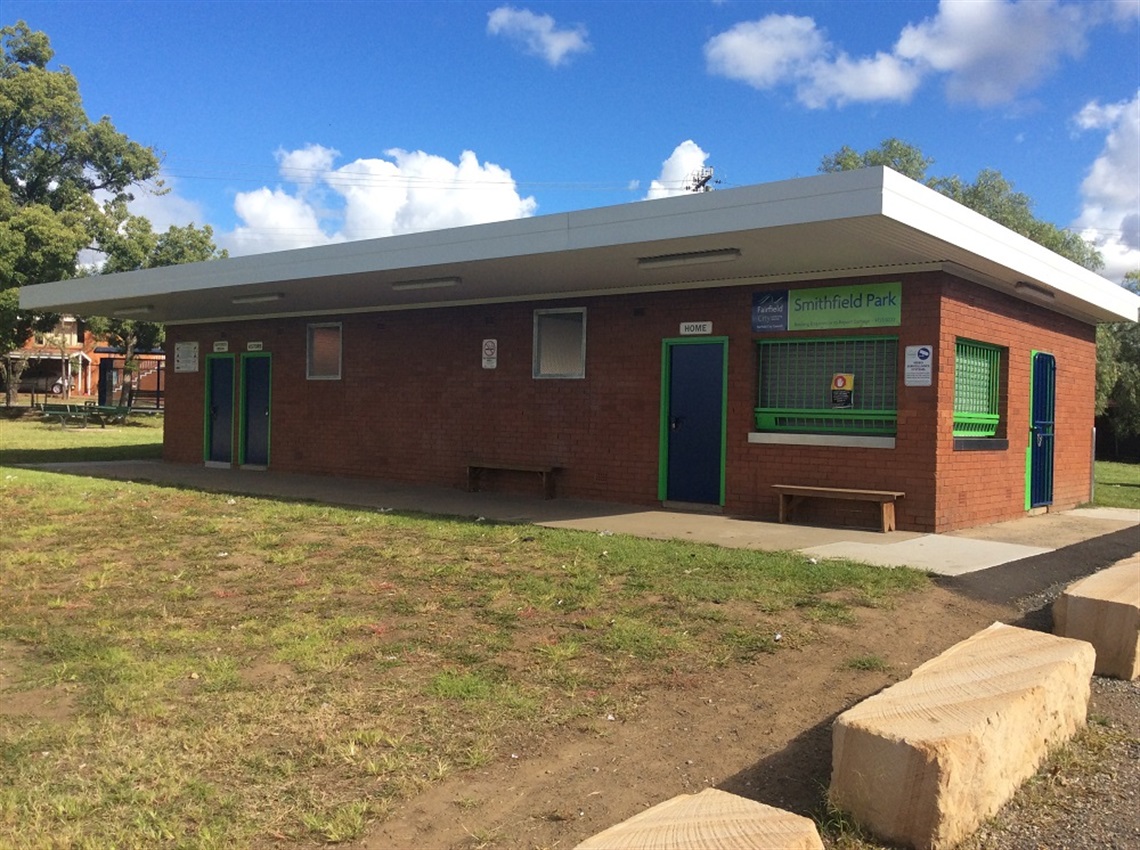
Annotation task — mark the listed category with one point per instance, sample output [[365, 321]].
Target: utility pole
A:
[[699, 180]]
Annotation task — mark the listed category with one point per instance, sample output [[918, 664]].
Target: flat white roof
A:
[[855, 223]]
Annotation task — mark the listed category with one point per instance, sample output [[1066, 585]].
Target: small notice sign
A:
[[254, 346], [221, 346], [490, 353], [696, 328], [185, 357], [918, 370], [842, 390]]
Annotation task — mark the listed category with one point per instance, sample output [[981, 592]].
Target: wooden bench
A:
[[476, 468], [790, 494]]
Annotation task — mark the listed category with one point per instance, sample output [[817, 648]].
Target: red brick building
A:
[[852, 330]]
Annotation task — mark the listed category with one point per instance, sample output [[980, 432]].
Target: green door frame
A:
[[207, 430], [663, 432]]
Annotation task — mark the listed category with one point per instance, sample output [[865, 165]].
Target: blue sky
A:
[[285, 124]]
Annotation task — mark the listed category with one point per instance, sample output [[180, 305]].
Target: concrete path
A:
[[953, 554]]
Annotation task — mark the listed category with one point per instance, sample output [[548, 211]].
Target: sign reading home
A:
[[867, 305], [696, 328]]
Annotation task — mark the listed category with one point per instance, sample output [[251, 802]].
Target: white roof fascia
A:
[[866, 194], [918, 206], [804, 200]]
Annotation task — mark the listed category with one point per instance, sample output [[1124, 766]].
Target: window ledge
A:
[[980, 444], [836, 440]]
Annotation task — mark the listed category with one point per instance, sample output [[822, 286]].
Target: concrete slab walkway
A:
[[953, 554]]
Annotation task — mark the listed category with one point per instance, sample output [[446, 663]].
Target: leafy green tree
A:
[[989, 194], [904, 158], [1118, 371], [134, 246], [55, 167], [65, 186]]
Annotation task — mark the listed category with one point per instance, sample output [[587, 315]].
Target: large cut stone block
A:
[[710, 820], [1104, 609], [924, 762]]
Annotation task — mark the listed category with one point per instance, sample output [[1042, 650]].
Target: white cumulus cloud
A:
[[538, 35], [686, 158], [401, 192], [987, 51], [1110, 192], [992, 50]]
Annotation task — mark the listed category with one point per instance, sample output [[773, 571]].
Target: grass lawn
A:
[[251, 672], [184, 669], [1117, 485], [30, 440]]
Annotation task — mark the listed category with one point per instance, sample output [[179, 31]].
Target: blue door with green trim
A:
[[694, 422], [255, 374], [219, 408], [1041, 430]]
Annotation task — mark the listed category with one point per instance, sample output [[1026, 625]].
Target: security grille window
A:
[[323, 361], [796, 386], [977, 389], [560, 343]]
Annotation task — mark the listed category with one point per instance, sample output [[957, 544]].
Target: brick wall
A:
[[416, 405], [977, 487]]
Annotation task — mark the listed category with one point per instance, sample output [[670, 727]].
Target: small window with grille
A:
[[977, 389], [797, 378]]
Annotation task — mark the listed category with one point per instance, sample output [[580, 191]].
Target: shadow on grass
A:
[[81, 454]]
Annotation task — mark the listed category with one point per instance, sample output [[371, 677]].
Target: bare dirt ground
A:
[[763, 732]]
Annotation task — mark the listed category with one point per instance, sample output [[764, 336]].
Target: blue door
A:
[[693, 422], [1041, 430], [219, 408], [255, 371]]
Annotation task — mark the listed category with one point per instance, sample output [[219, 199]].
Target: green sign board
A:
[[870, 305]]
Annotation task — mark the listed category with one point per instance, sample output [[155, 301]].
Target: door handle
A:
[[675, 423]]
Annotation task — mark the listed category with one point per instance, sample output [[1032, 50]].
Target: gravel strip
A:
[[1087, 795]]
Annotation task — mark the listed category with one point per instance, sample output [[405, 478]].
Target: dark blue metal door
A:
[[695, 422], [255, 409], [220, 409], [1041, 430]]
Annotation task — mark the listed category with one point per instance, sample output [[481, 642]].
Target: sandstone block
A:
[[924, 762], [710, 820], [1104, 609]]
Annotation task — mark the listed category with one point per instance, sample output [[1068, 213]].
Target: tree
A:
[[65, 187], [1118, 371], [134, 246], [989, 194], [55, 166]]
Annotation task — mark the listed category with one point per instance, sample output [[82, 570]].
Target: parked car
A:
[[44, 384]]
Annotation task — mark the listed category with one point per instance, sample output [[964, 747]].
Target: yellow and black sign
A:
[[842, 390]]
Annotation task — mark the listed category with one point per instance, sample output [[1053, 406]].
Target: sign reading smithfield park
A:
[[868, 305]]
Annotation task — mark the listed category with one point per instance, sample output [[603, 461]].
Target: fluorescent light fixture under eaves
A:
[[692, 258], [1034, 291], [133, 309], [429, 283], [262, 298]]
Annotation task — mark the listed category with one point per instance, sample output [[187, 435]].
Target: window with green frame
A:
[[795, 385], [977, 389]]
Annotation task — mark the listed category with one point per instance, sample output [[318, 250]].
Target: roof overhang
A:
[[856, 223], [41, 354]]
